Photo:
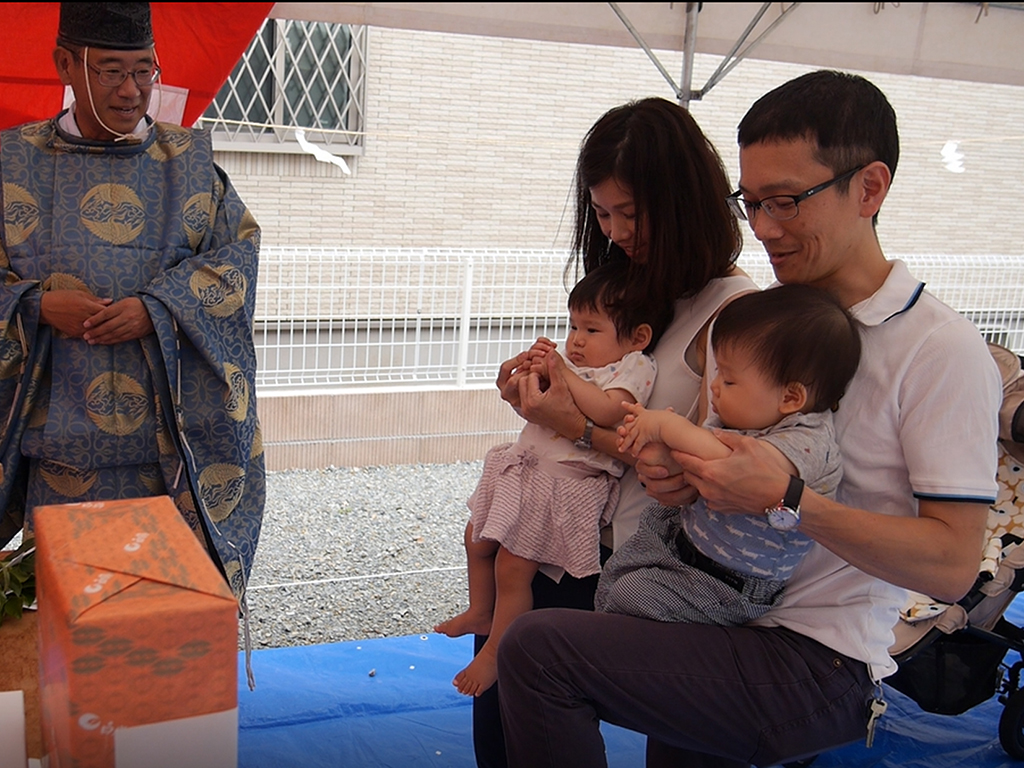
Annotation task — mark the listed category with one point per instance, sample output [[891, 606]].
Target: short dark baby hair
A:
[[794, 333], [603, 289]]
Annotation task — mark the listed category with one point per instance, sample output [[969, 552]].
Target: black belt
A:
[[690, 555]]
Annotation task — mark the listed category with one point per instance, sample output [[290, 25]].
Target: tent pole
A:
[[689, 47], [647, 49]]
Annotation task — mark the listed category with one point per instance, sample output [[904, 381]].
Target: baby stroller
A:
[[951, 656]]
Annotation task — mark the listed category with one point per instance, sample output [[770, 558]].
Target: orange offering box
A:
[[138, 636]]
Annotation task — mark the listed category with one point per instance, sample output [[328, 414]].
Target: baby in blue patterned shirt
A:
[[784, 357]]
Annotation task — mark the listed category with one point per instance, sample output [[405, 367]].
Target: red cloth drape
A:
[[198, 44]]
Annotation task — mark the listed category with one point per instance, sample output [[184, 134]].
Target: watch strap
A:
[[793, 493], [584, 442]]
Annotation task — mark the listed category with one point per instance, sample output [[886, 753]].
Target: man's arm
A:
[[945, 538]]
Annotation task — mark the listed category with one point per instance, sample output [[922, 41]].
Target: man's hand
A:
[[662, 477], [68, 310], [124, 320], [749, 480]]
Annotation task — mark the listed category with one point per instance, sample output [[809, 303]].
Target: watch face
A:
[[783, 518]]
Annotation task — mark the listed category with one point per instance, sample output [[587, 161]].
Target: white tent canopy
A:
[[979, 42]]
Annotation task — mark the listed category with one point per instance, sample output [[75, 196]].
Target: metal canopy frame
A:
[[684, 91], [974, 42]]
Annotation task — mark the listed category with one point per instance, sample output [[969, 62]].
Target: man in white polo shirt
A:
[[917, 429]]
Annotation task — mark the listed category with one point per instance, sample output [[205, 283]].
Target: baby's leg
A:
[[513, 576], [476, 619]]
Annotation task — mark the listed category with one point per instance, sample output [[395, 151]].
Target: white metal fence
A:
[[367, 318]]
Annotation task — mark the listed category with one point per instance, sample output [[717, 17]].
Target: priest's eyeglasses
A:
[[112, 78], [781, 207]]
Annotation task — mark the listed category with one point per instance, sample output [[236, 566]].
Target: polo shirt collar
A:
[[898, 293]]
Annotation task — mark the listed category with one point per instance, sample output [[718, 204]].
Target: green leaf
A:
[[17, 579]]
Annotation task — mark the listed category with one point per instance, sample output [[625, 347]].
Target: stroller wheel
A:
[[1011, 726]]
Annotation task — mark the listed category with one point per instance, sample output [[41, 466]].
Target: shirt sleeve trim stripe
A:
[[960, 499]]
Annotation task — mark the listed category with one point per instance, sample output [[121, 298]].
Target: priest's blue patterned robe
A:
[[174, 412]]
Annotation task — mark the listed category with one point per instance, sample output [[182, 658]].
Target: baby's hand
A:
[[541, 347], [631, 436], [640, 428]]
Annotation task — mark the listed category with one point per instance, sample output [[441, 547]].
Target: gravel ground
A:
[[354, 553]]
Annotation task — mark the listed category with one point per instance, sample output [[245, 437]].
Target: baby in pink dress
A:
[[544, 498]]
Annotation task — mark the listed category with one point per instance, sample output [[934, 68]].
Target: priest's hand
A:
[[68, 310], [124, 320]]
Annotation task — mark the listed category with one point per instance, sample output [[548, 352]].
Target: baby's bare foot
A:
[[480, 675], [467, 623]]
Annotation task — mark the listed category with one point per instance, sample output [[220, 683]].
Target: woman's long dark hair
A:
[[655, 148]]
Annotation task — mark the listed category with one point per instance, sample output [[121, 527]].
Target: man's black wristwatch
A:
[[785, 516]]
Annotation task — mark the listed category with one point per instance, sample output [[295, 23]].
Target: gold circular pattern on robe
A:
[[67, 481], [62, 281], [116, 403], [21, 214], [233, 572], [164, 441], [247, 227], [37, 134], [171, 141], [40, 376], [113, 212], [40, 414], [152, 478], [221, 290], [221, 486], [185, 502], [10, 360], [257, 442], [196, 218], [34, 407], [237, 405], [10, 351]]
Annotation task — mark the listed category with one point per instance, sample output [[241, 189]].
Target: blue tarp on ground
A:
[[389, 703]]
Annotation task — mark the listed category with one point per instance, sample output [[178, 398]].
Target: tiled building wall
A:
[[471, 143]]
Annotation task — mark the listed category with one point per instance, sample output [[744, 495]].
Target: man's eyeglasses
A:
[[781, 207], [112, 78]]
